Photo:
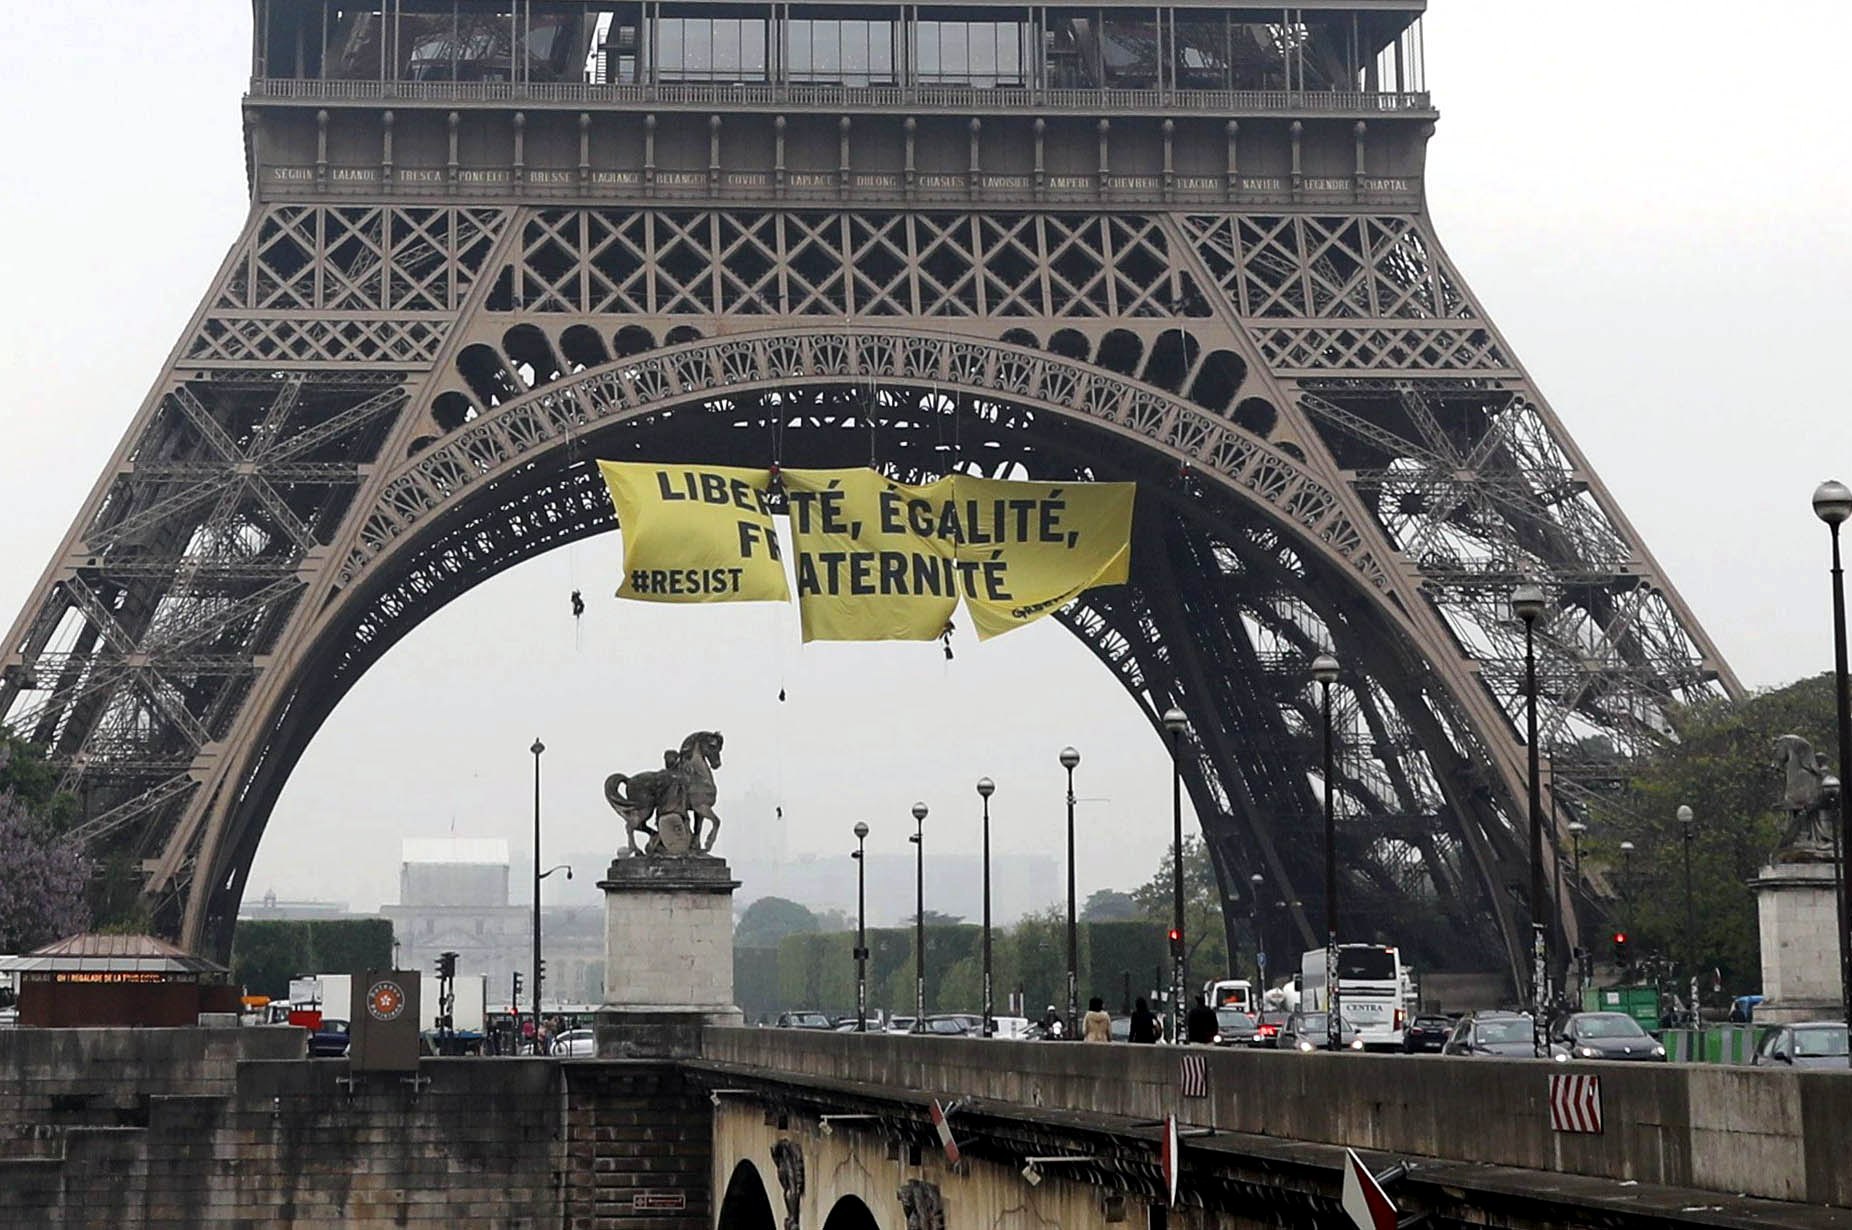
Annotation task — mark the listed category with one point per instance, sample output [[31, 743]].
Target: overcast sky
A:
[[1651, 203]]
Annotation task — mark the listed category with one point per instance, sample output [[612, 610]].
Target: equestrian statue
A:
[[678, 797], [1811, 813]]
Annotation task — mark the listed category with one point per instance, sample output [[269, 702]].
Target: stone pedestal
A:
[[1800, 943], [668, 955]]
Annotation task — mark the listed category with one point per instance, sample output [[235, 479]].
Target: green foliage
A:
[[1109, 905], [1722, 769], [266, 955], [33, 781], [755, 982], [1204, 938], [766, 922]]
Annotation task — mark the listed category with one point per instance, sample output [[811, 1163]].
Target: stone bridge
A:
[[796, 1131]]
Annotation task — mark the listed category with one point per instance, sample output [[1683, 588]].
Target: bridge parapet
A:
[[1775, 1135]]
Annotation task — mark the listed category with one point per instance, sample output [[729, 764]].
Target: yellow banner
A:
[[872, 564], [880, 560], [696, 533], [1053, 541]]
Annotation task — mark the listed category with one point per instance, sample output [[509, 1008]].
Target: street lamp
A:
[[1069, 759], [534, 988], [1527, 603], [1832, 503], [1176, 722], [919, 917], [1325, 672], [1576, 830], [1688, 827], [861, 927], [985, 788], [1260, 951]]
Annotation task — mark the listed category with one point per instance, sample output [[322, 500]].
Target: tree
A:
[[1206, 944], [767, 921], [1109, 905], [42, 876], [935, 919], [1721, 767]]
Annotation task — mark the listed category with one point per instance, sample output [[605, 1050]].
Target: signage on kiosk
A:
[[385, 1024]]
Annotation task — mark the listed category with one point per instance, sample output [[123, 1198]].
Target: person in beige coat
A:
[[1096, 1026]]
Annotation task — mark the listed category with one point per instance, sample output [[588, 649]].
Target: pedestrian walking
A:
[[1145, 1027], [1200, 1025]]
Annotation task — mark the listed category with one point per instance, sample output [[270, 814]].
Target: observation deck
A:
[[573, 98]]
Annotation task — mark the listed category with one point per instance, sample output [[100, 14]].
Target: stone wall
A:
[[1774, 1134], [182, 1128]]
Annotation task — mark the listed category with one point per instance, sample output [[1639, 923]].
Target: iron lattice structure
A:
[[452, 295]]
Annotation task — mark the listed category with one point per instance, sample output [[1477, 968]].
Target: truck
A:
[[1371, 988]]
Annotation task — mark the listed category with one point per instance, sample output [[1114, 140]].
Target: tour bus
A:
[[1370, 990], [1236, 993]]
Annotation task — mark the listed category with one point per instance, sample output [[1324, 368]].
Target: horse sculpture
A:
[[678, 797], [1809, 830]]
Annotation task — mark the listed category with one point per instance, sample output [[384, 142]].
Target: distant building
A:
[[270, 909], [453, 897]]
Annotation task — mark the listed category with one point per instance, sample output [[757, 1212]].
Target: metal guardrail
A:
[[935, 96]]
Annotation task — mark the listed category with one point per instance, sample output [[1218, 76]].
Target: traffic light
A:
[[517, 984], [446, 965], [1620, 948], [1176, 942]]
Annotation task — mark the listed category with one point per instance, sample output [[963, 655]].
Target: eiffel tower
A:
[[491, 242]]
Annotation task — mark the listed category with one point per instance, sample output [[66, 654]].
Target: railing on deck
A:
[[928, 96]]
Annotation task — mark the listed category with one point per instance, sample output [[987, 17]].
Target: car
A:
[[1234, 1027], [330, 1039], [948, 1025], [1427, 1033], [1309, 1031], [803, 1020], [1267, 1028], [1009, 1026], [1804, 1044], [900, 1024], [576, 1044], [1503, 1034], [1603, 1036]]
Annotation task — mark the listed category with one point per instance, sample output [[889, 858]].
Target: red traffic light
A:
[[1175, 935], [1620, 937]]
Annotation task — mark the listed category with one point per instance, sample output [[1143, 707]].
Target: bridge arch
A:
[[517, 479], [746, 1205], [849, 1213]]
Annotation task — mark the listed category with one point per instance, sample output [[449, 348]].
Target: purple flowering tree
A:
[[42, 876]]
